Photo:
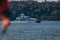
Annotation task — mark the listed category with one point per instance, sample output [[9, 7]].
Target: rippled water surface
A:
[[46, 30]]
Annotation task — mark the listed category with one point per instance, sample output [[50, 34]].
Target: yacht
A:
[[24, 19]]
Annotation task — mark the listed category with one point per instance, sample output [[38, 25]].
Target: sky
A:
[[39, 0], [47, 0]]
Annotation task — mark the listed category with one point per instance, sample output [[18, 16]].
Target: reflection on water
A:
[[46, 30]]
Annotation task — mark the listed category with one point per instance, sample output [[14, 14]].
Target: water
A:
[[46, 30]]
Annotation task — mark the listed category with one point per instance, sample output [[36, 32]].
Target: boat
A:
[[24, 19]]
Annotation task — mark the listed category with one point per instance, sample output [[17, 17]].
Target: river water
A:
[[46, 30]]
